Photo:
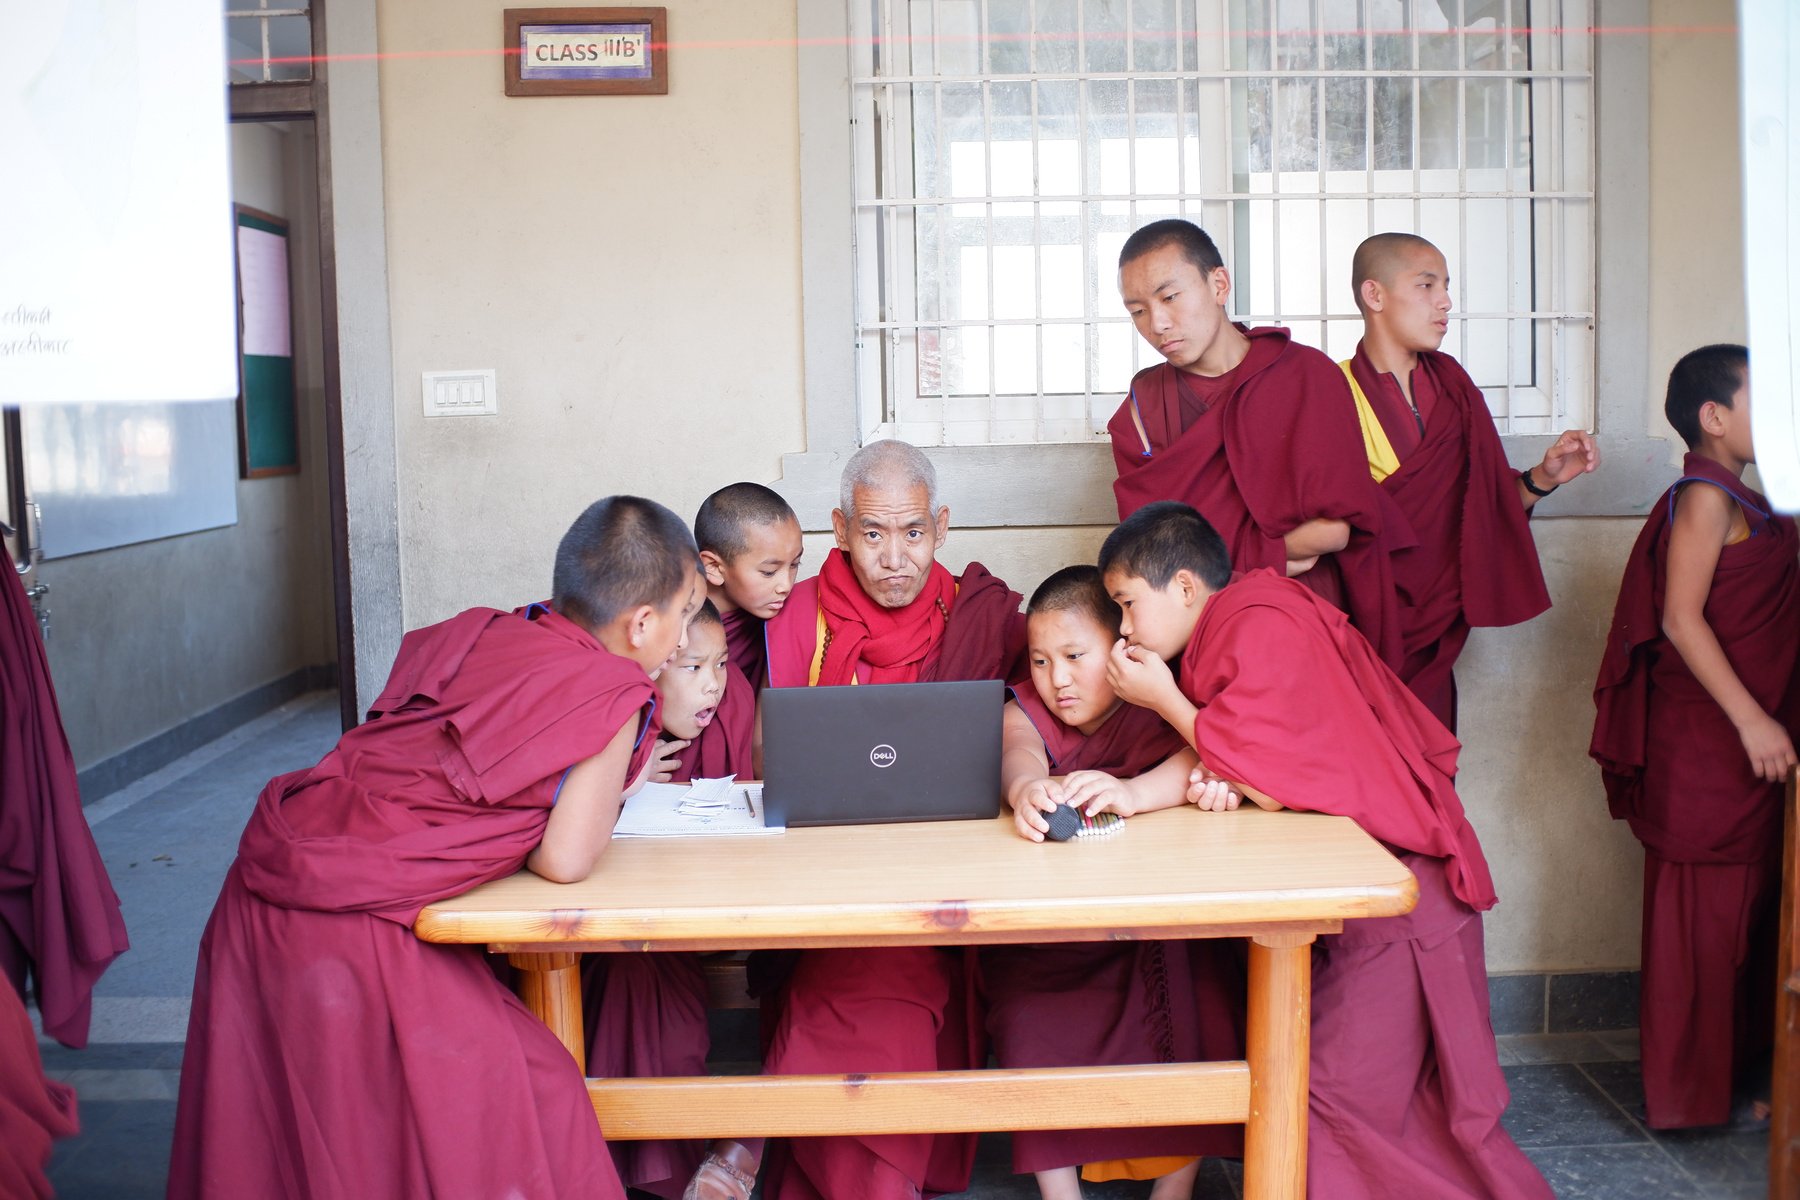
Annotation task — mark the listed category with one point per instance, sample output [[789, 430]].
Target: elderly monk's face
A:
[[1176, 308], [892, 538], [1415, 302]]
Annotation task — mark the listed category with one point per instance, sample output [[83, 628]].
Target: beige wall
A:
[[631, 268]]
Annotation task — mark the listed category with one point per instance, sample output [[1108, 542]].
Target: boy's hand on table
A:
[[1095, 792], [1770, 748], [1029, 804], [1209, 792]]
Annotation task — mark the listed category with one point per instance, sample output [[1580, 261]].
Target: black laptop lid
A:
[[879, 753]]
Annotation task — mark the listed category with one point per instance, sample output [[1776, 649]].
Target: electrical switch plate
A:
[[460, 394]]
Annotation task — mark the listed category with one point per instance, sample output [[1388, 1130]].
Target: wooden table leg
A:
[[550, 986], [1280, 1023]]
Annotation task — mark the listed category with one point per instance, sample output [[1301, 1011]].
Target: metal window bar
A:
[[1544, 298], [262, 15]]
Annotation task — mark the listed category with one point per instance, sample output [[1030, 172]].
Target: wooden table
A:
[[1278, 879]]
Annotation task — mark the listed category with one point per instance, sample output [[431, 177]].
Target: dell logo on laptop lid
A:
[[883, 755]]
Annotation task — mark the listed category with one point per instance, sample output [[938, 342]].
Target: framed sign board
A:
[[268, 433], [586, 51]]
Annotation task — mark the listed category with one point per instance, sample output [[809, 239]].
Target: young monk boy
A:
[[1250, 427], [647, 1012], [750, 544], [1432, 446], [1070, 740], [1699, 706], [1280, 697], [330, 1052]]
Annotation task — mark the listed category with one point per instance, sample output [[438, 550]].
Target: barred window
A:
[[1004, 150], [268, 43]]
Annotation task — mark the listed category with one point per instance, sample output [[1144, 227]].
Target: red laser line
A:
[[957, 39]]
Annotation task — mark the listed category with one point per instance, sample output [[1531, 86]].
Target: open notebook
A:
[[704, 808]]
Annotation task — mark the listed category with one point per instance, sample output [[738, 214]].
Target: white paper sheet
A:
[[672, 810]]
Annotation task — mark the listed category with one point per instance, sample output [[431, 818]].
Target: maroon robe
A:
[[1675, 769], [1083, 1004], [330, 1052], [982, 636], [901, 1009], [1406, 1090], [34, 1110], [1472, 561], [1270, 446], [59, 916], [749, 651], [646, 1013]]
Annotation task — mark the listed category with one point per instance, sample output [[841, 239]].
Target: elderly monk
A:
[[1432, 446], [883, 610], [1251, 428]]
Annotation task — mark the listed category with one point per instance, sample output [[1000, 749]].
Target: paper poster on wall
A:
[[268, 428], [114, 220], [1769, 44]]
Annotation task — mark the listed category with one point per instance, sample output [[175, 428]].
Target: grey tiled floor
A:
[[168, 839]]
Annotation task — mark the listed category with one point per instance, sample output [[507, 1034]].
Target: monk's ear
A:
[[840, 529], [1710, 420], [1191, 591], [638, 627], [713, 567], [1372, 295], [1220, 283], [942, 524]]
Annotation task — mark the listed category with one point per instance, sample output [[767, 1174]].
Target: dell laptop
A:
[[881, 753]]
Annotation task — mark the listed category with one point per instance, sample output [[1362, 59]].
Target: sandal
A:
[[728, 1172]]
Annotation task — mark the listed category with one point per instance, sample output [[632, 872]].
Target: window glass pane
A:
[[1103, 41]]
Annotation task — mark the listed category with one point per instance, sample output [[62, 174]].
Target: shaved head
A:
[[1382, 257]]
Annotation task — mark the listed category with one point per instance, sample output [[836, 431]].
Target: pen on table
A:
[[749, 803]]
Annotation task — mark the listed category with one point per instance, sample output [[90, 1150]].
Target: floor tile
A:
[[1613, 1173], [94, 1085], [1717, 1156], [1559, 1106], [1592, 1000], [1622, 1081], [1534, 1048]]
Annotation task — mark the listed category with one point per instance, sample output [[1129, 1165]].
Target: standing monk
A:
[[330, 1052], [59, 917], [882, 610], [1251, 428], [1432, 446]]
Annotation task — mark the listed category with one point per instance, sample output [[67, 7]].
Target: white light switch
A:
[[460, 394]]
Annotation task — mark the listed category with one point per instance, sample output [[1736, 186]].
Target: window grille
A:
[[1004, 150], [269, 44]]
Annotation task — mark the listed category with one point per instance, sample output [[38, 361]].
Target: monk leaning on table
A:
[[883, 610], [1287, 704], [330, 1052], [1432, 446], [1253, 429]]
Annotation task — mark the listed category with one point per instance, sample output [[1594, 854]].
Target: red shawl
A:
[[330, 1052], [1280, 448], [984, 637], [1294, 703], [34, 1111], [1131, 741], [1671, 760], [56, 901], [1474, 562], [449, 782], [723, 747], [749, 650]]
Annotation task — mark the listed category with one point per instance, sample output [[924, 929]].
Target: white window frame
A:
[[1059, 484]]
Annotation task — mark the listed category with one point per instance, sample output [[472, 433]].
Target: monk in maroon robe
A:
[[882, 610], [1699, 709], [1251, 428], [1432, 446], [1287, 704], [1069, 740], [749, 541], [59, 916], [330, 1053], [647, 1012], [34, 1110]]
